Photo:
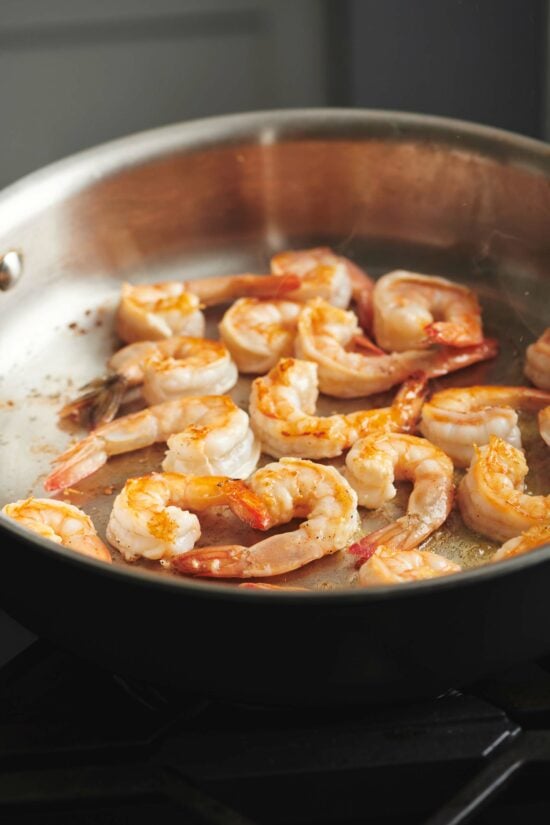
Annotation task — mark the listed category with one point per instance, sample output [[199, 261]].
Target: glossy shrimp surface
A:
[[537, 362], [457, 419], [151, 516], [207, 435], [372, 466], [412, 311], [492, 497], [171, 368], [59, 522], [282, 412], [529, 540], [394, 566], [290, 488], [327, 335], [259, 332]]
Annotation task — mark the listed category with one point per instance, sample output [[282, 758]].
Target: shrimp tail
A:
[[99, 403], [450, 335], [407, 404], [449, 359], [365, 343], [363, 549], [247, 506], [229, 561], [75, 464]]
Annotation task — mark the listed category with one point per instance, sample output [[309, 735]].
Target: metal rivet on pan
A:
[[11, 268]]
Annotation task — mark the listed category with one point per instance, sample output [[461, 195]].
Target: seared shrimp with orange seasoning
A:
[[372, 466], [529, 540], [332, 338], [147, 312], [207, 435], [172, 368], [290, 488], [394, 566], [457, 419], [282, 412], [59, 522], [537, 362], [151, 516], [492, 497], [407, 307]]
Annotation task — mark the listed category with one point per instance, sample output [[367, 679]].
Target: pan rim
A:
[[109, 158]]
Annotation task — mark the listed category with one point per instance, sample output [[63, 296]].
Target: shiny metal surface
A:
[[221, 196], [11, 269]]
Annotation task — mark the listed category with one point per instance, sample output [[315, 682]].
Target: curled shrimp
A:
[[372, 466], [60, 522], [147, 312], [167, 369], [456, 419], [491, 495], [151, 518], [537, 362], [529, 540], [207, 435], [406, 306], [282, 412], [290, 488], [259, 332], [326, 333], [394, 566]]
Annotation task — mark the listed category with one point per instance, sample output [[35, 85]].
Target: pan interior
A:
[[61, 337]]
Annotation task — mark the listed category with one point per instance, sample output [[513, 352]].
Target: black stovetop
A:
[[81, 745]]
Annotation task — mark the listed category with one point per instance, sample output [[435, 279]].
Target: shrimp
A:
[[325, 333], [59, 522], [207, 435], [456, 419], [257, 333], [387, 566], [375, 462], [537, 362], [491, 495], [152, 311], [290, 488], [529, 540], [406, 306], [151, 518], [171, 368], [282, 412], [544, 425], [265, 586]]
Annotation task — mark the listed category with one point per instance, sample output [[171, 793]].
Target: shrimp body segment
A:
[[529, 540], [206, 435], [372, 466], [326, 335], [257, 333], [456, 419], [387, 566], [148, 312], [491, 495], [60, 522], [282, 411], [537, 364], [151, 518], [407, 304], [290, 488]]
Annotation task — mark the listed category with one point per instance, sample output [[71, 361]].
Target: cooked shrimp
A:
[[406, 306], [537, 362], [325, 333], [207, 435], [529, 540], [393, 566], [282, 412], [491, 495], [265, 586], [457, 418], [151, 517], [259, 332], [372, 466], [59, 522], [325, 275], [544, 424], [173, 368], [153, 311], [290, 488]]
